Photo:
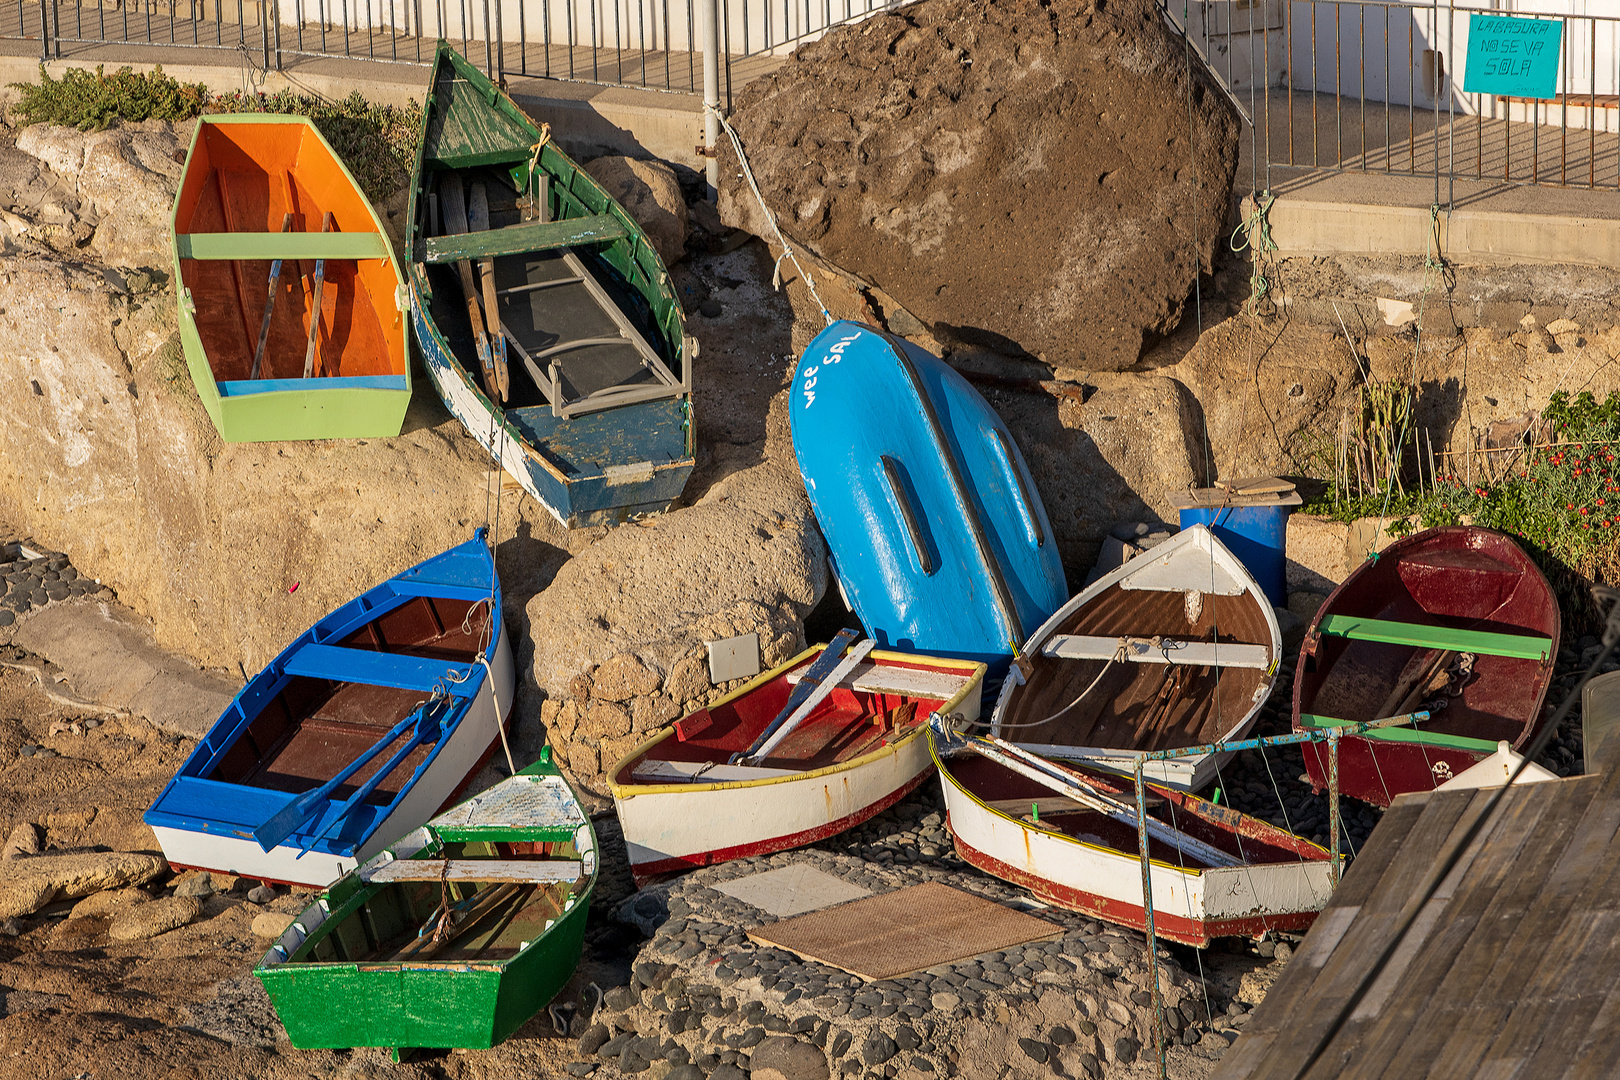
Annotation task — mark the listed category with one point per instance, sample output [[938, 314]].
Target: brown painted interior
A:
[[246, 178], [313, 728], [1141, 706]]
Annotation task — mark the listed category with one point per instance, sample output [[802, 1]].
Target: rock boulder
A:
[[1017, 175], [652, 195], [620, 632], [29, 884]]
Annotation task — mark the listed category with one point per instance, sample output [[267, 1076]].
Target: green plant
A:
[[1562, 497], [90, 101], [376, 142]]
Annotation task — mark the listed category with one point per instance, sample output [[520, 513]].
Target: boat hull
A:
[[578, 499], [671, 828], [1455, 577], [330, 1003], [469, 744], [937, 536], [596, 442], [362, 384], [1189, 906], [1145, 598]]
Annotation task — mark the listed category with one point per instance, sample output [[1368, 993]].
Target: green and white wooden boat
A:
[[453, 937], [292, 308], [545, 317]]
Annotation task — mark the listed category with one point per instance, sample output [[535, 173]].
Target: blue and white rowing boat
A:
[[361, 730], [937, 535]]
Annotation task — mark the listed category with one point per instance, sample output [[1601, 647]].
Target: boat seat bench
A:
[[523, 238], [1141, 650], [381, 669], [1517, 646], [519, 870], [288, 245]]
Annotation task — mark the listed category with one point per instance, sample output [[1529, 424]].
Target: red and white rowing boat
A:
[[1215, 872], [683, 802]]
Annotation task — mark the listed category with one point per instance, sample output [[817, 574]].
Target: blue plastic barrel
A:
[[1257, 535]]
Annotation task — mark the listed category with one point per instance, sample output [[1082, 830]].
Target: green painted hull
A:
[[599, 467], [290, 409], [432, 1003]]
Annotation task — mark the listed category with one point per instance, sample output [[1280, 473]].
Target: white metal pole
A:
[[711, 95]]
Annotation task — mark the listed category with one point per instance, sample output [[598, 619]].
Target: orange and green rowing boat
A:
[[291, 301]]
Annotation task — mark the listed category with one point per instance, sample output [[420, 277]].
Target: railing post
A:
[[711, 94], [45, 29], [275, 15], [264, 31]]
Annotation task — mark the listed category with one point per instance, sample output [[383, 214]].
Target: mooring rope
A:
[[770, 218]]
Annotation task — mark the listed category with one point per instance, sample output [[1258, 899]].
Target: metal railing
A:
[[657, 44], [1376, 86]]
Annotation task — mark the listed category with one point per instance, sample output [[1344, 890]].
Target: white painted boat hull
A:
[[670, 828], [1189, 906], [474, 737]]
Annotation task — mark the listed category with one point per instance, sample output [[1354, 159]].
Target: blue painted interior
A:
[[244, 387], [583, 446], [193, 802], [853, 405]]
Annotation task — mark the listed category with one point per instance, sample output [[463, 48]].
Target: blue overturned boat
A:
[[937, 536], [362, 729]]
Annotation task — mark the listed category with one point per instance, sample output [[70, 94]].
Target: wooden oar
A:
[[423, 733], [269, 305], [478, 221], [315, 305], [807, 685], [423, 947], [828, 684], [1074, 786], [453, 205], [283, 822]]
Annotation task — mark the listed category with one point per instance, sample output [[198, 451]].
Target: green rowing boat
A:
[[545, 317], [455, 936]]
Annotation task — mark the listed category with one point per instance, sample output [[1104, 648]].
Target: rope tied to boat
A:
[[534, 151], [770, 218]]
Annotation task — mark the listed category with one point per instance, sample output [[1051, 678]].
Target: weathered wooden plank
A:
[[1565, 966], [1443, 814], [529, 236], [1484, 904], [519, 870], [1482, 1008], [1292, 996]]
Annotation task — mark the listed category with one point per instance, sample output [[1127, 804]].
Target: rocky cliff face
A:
[[1037, 178]]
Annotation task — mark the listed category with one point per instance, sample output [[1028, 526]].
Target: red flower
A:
[[1583, 511]]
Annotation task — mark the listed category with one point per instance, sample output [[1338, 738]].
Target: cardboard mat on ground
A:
[[904, 931]]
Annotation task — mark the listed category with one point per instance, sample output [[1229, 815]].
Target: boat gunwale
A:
[[975, 675], [315, 384], [1165, 791]]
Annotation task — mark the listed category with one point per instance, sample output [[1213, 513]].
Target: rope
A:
[[770, 218], [1255, 234]]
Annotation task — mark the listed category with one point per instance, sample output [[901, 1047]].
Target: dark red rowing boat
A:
[[1456, 615]]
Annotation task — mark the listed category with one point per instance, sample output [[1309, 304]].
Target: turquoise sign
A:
[[1512, 57]]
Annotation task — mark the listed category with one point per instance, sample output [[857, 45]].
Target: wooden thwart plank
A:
[[1420, 635], [869, 678], [1140, 650], [518, 870], [291, 245], [528, 236], [380, 669], [703, 772]]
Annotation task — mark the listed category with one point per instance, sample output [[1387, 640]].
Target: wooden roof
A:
[[1508, 971]]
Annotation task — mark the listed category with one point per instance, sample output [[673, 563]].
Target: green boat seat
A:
[[1425, 636], [523, 871], [1141, 650], [287, 245], [523, 238]]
